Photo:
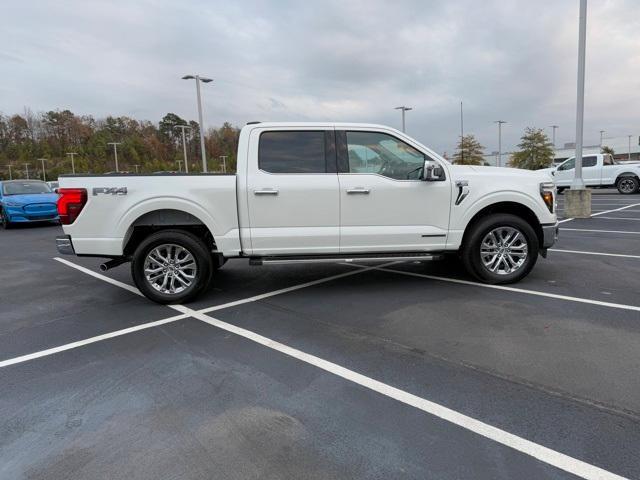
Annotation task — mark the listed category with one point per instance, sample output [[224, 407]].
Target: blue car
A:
[[23, 201]]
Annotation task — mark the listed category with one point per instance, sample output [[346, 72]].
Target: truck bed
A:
[[116, 201]]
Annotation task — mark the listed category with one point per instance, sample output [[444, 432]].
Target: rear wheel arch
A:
[[166, 219]]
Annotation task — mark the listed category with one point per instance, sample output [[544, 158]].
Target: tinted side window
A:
[[589, 161], [292, 152], [568, 165], [373, 152]]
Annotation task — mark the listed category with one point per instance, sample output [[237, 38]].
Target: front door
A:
[[292, 192], [384, 206]]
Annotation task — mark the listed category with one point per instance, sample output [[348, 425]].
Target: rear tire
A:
[[172, 266], [627, 185], [500, 248]]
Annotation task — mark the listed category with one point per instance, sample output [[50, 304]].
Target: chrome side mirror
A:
[[432, 172]]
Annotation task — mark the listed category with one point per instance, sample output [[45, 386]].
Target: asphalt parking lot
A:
[[403, 370]]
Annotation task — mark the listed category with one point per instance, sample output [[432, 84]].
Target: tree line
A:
[[143, 145]]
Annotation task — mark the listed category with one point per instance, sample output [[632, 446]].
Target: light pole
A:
[[601, 137], [578, 182], [403, 109], [554, 127], [499, 122], [44, 172], [115, 152], [136, 167], [26, 169], [199, 79], [179, 162], [10, 175], [73, 164], [224, 163], [629, 154], [184, 145]]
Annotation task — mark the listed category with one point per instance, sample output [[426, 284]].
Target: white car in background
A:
[[598, 171]]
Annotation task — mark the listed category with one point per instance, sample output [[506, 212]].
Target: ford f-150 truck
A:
[[598, 171], [310, 192]]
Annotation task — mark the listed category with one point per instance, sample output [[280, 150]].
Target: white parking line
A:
[[618, 218], [598, 231], [551, 457], [532, 449], [87, 341], [603, 212], [594, 253], [537, 293]]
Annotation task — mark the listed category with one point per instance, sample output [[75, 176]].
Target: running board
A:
[[375, 257]]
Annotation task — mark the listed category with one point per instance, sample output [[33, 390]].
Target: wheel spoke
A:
[[503, 250], [170, 268]]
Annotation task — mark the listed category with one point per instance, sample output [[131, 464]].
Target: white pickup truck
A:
[[310, 192], [598, 171]]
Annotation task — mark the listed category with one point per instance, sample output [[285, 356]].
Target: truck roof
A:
[[318, 124]]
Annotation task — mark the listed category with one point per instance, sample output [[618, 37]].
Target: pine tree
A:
[[469, 151], [536, 151]]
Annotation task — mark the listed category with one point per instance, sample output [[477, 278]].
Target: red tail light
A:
[[71, 203]]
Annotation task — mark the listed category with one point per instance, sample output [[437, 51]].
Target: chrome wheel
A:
[[170, 268], [627, 185], [504, 250]]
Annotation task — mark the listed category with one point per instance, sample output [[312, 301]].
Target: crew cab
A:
[[598, 171], [310, 192]]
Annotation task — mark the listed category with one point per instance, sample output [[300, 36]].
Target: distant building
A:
[[620, 146]]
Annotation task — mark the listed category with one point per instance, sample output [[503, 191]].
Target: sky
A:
[[346, 61]]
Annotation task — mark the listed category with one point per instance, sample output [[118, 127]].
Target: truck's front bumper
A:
[[64, 244], [549, 235]]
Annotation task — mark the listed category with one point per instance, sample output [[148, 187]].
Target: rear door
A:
[[292, 191], [384, 205]]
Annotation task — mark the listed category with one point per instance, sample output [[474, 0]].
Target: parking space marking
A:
[[603, 212], [598, 231], [185, 311], [594, 253], [618, 218], [87, 341], [261, 296], [538, 293], [544, 454]]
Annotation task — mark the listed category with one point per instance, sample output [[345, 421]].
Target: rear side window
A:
[[292, 152], [589, 161]]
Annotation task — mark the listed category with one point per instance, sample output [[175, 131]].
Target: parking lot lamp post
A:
[[403, 109], [10, 174], [578, 182], [136, 167], [115, 152], [553, 135], [499, 122], [223, 158], [26, 169], [199, 79], [601, 137], [73, 164], [629, 152], [44, 171], [184, 146]]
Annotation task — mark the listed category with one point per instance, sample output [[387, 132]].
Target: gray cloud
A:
[[332, 60]]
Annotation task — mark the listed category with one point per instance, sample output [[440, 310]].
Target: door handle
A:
[[266, 191], [364, 191]]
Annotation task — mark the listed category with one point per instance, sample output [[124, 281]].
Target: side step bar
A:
[[371, 257]]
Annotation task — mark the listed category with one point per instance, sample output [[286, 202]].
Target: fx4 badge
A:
[[109, 191]]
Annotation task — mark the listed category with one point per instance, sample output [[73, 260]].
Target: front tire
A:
[[172, 266], [500, 248], [627, 185], [4, 220]]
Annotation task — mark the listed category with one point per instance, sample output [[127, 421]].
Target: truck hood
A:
[[507, 174]]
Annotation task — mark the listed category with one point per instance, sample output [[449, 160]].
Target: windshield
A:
[[25, 188]]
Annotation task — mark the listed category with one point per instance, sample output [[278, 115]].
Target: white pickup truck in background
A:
[[310, 192], [598, 171]]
